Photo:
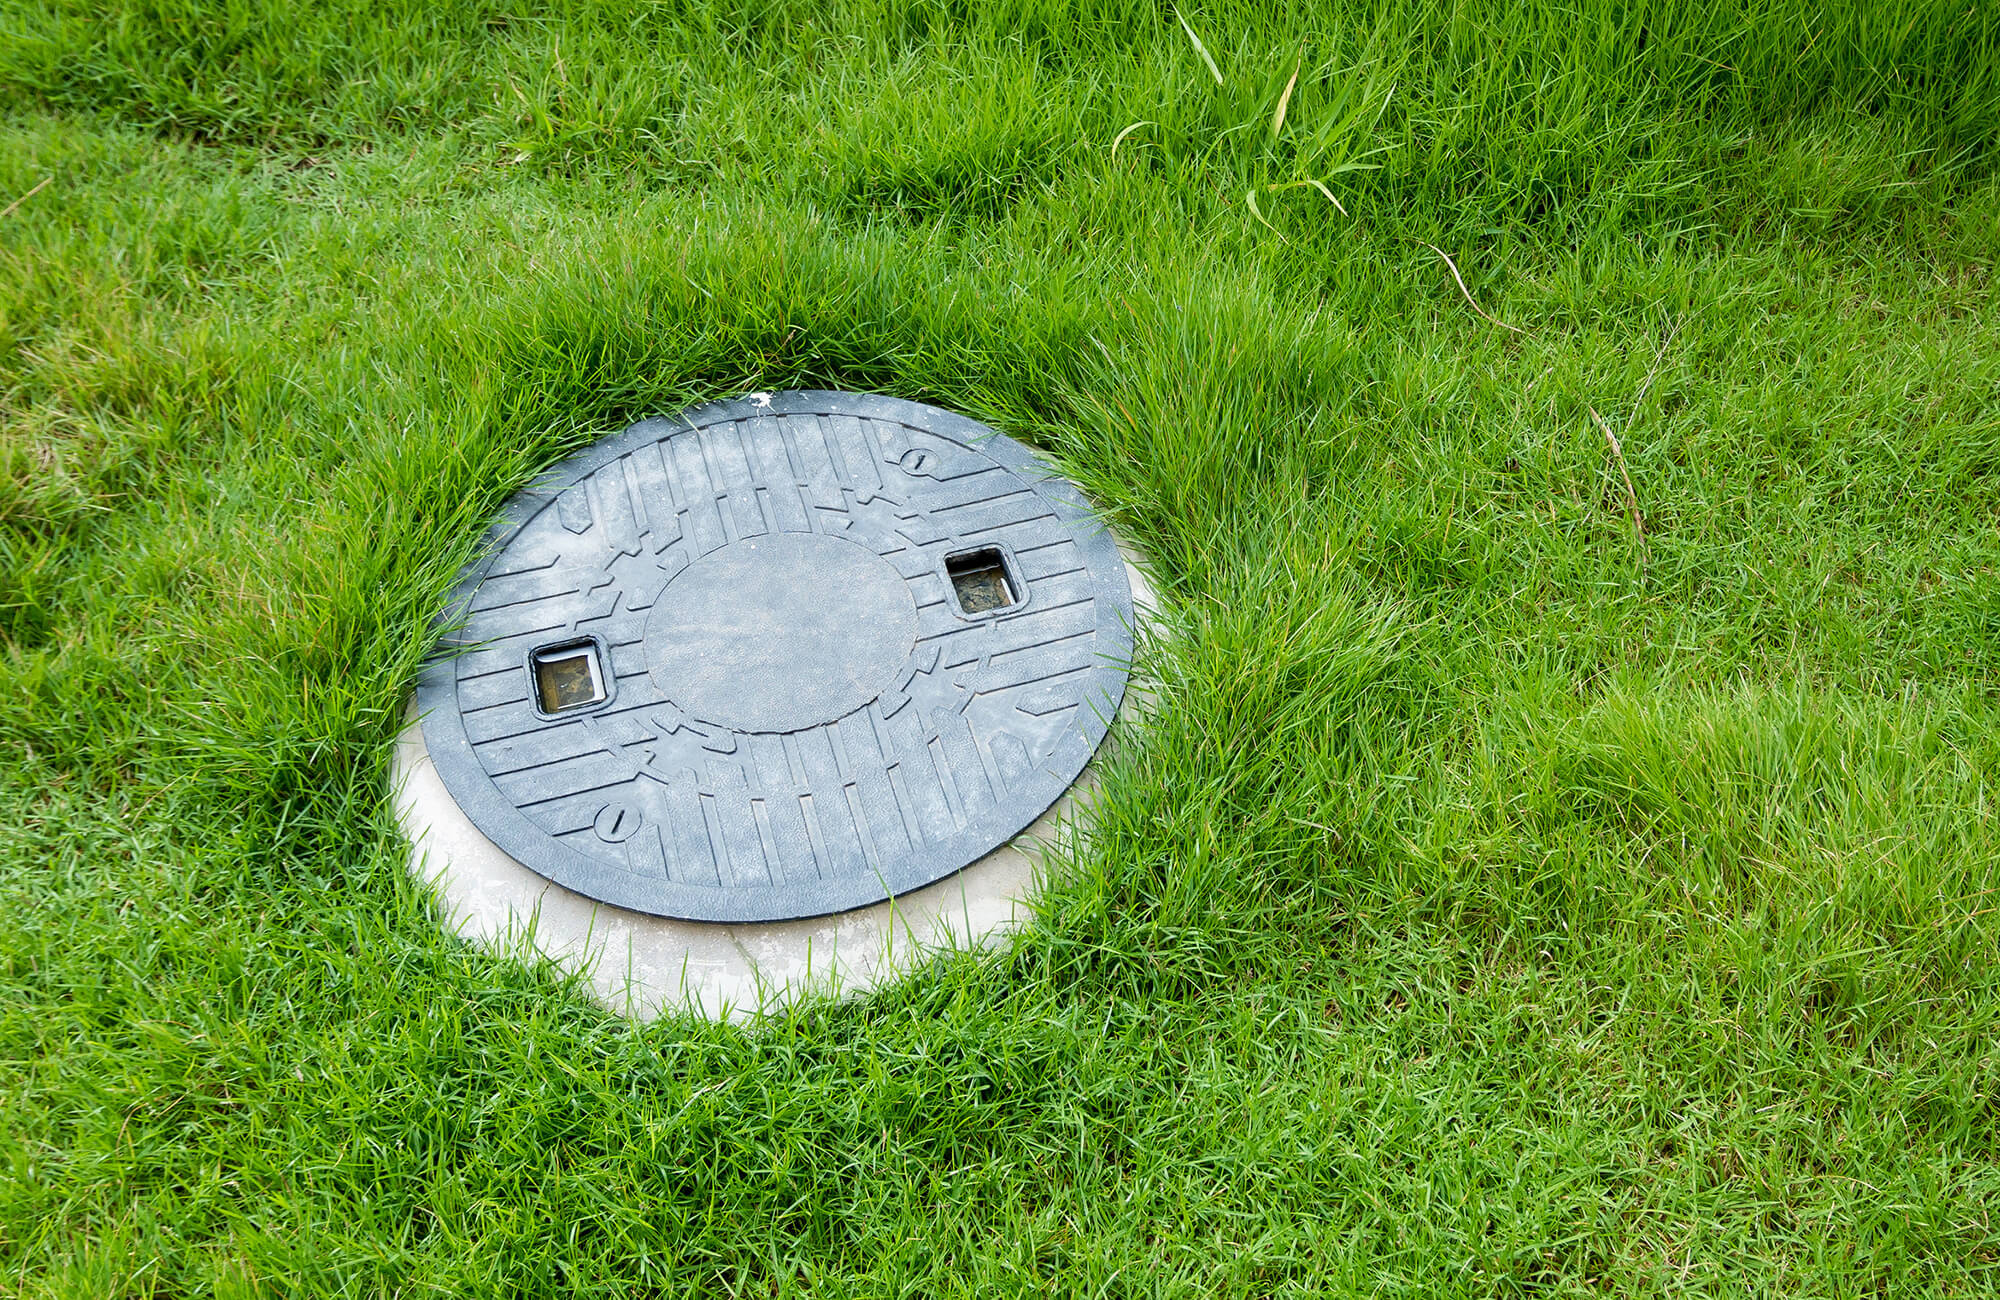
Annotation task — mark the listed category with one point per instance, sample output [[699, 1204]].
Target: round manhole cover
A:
[[779, 657]]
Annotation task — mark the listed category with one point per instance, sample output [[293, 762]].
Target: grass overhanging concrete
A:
[[1567, 440]]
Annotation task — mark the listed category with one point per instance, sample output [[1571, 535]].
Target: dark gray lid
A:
[[779, 657]]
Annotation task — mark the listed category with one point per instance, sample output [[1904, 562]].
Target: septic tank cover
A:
[[778, 657]]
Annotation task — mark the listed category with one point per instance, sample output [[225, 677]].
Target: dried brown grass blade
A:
[[8, 211], [1120, 137], [1631, 496], [1467, 292], [1285, 100]]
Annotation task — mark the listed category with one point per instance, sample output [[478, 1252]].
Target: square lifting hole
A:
[[981, 581], [568, 676]]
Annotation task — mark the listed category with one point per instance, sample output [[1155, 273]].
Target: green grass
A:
[[1527, 886]]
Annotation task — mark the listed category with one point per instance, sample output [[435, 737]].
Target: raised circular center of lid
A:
[[780, 632]]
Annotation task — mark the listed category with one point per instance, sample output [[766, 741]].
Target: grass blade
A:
[[1120, 137], [1257, 212], [1316, 184], [1467, 292], [1199, 48], [8, 211], [1285, 100]]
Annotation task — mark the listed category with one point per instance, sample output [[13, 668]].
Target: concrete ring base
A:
[[645, 966]]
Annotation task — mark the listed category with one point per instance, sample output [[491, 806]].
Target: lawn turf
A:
[[1567, 440]]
